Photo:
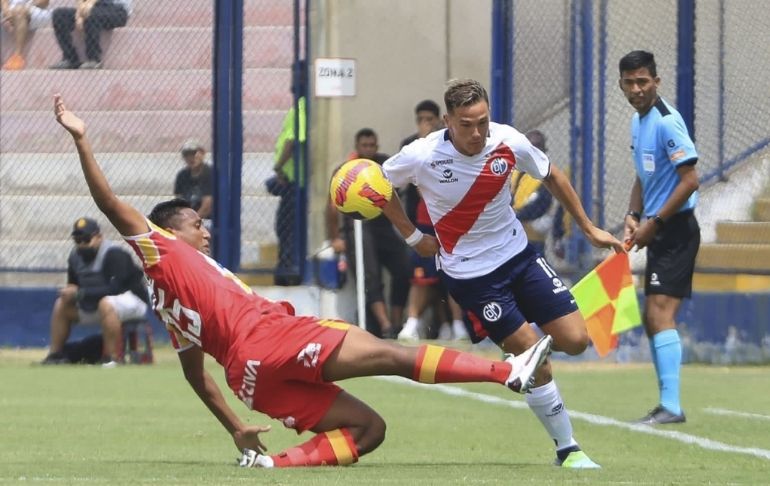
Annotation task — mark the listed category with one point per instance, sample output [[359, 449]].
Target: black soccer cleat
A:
[[660, 415]]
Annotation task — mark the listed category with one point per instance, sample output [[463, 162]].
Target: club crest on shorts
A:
[[309, 356], [492, 311]]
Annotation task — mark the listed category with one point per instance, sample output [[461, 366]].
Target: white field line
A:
[[735, 413], [701, 442]]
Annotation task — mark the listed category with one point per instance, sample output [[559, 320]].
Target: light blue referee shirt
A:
[[661, 143]]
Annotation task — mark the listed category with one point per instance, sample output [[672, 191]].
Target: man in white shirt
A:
[[464, 173]]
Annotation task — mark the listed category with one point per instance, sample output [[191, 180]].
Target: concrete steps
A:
[[734, 257], [111, 90], [751, 232], [762, 209], [132, 131], [166, 48]]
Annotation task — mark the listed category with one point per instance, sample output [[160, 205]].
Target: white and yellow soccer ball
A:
[[360, 189]]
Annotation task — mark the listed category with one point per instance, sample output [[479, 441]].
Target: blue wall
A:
[[25, 315]]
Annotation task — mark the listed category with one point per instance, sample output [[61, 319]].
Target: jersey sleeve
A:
[[150, 247], [529, 159], [399, 169], [676, 140]]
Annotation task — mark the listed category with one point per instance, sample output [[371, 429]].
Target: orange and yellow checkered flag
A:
[[607, 299]]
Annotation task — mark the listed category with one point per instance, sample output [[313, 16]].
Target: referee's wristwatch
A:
[[658, 221]]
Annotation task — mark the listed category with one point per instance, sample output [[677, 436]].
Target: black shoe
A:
[[660, 415], [55, 359]]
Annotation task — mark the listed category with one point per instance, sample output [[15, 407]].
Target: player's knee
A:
[[105, 306], [575, 344], [373, 434]]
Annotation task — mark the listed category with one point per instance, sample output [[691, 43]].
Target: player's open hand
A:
[[427, 246], [248, 437], [602, 239], [67, 119]]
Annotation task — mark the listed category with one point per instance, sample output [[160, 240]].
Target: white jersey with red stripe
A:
[[200, 302], [469, 198]]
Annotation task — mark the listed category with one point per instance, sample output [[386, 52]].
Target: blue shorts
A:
[[523, 289]]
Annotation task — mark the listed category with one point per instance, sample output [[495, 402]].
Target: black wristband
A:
[[634, 214], [658, 221]]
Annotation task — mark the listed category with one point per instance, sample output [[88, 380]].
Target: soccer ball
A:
[[360, 189]]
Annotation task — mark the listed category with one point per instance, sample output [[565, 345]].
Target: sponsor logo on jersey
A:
[[492, 311], [439, 163], [448, 177], [309, 356], [499, 166], [246, 393]]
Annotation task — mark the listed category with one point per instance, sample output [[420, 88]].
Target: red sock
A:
[[334, 448], [435, 364]]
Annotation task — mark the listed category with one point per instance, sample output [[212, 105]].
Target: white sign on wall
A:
[[335, 77]]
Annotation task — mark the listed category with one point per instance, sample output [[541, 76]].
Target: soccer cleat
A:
[[55, 359], [660, 415], [91, 65], [252, 458], [576, 460], [64, 64], [523, 366]]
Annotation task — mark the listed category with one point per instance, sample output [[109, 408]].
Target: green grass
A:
[[144, 425]]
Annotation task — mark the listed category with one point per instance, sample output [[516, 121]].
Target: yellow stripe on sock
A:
[[340, 447], [430, 363], [342, 326]]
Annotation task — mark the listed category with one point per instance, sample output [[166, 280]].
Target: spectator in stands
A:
[[195, 183], [19, 17], [532, 201], [92, 17], [426, 289], [286, 184], [104, 286], [383, 249]]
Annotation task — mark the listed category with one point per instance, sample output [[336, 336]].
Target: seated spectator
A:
[[194, 183], [104, 286], [92, 17], [19, 17]]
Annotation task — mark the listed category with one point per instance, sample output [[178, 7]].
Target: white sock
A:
[[411, 324], [545, 401], [458, 328]]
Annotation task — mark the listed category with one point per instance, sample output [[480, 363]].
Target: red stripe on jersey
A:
[[457, 222]]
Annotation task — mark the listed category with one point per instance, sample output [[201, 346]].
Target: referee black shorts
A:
[[671, 257]]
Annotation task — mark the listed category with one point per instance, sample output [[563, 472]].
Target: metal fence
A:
[[563, 72], [153, 92]]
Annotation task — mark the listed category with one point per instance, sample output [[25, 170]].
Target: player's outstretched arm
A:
[[558, 184], [127, 220], [208, 391]]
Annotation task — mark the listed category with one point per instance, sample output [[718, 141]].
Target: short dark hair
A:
[[365, 132], [164, 213], [428, 105], [638, 59], [464, 92]]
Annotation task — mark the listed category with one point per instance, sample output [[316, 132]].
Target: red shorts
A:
[[278, 368]]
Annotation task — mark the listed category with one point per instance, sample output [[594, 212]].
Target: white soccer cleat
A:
[[252, 458], [523, 366]]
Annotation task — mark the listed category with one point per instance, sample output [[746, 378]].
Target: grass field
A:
[[144, 425]]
